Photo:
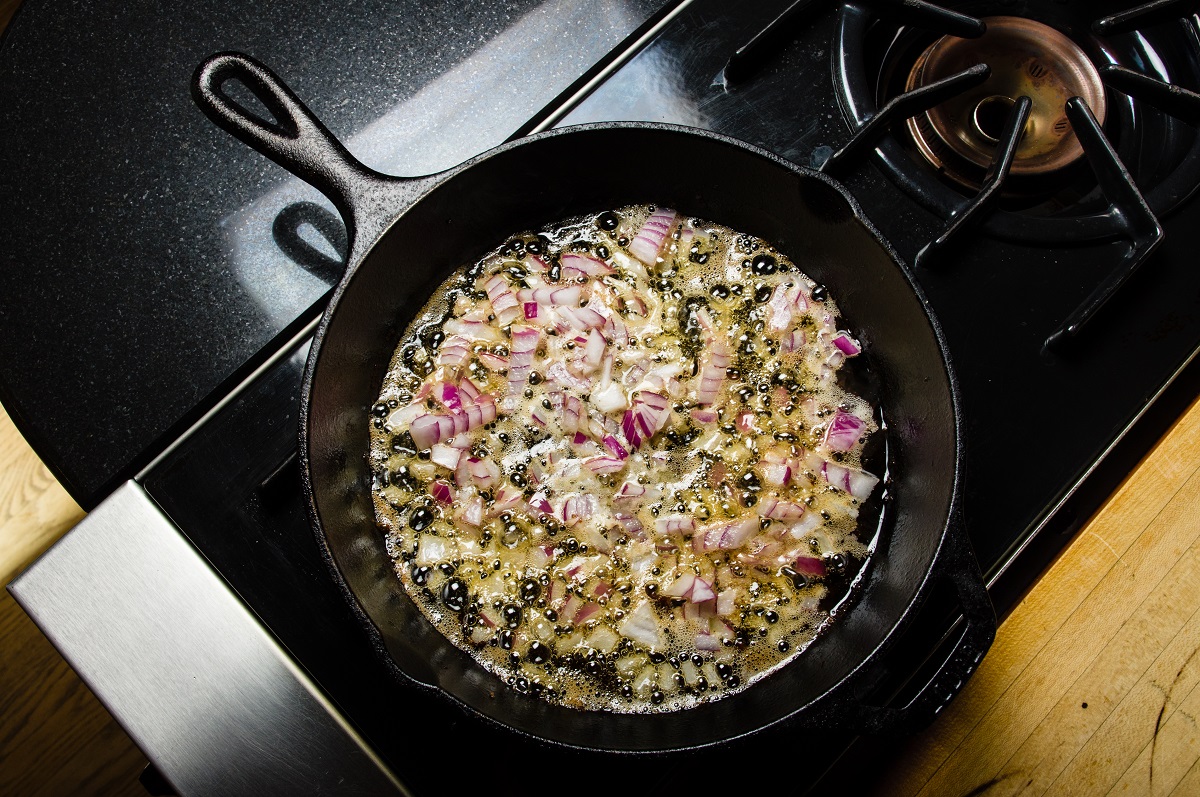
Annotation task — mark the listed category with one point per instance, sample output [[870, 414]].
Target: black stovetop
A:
[[1037, 424]]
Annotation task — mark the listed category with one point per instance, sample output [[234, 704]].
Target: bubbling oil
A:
[[610, 535]]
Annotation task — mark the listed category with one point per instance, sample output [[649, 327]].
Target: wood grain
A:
[[1092, 685], [55, 736]]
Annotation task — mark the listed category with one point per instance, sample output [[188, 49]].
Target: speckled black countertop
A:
[[147, 258]]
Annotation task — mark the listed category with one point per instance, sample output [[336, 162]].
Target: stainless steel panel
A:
[[198, 683]]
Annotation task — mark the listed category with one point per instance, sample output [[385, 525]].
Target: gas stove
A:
[[1034, 161]]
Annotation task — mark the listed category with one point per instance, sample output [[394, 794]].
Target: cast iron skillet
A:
[[408, 235]]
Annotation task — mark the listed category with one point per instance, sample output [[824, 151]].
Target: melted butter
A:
[[577, 641]]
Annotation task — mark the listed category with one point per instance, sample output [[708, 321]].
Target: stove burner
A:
[[1026, 58], [1053, 196]]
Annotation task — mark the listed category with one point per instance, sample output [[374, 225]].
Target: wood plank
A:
[[34, 508], [55, 736], [1113, 623]]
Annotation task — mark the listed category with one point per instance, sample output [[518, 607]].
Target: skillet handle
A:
[[956, 564], [296, 140]]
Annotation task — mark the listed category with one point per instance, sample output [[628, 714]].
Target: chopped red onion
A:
[[641, 625], [856, 482], [540, 505], [446, 456], [846, 344], [724, 536], [576, 508], [630, 491], [792, 341], [454, 351], [707, 642], [585, 613], [635, 305], [536, 264], [491, 361], [726, 602], [674, 524], [631, 524], [472, 513], [614, 445], [525, 341], [704, 416], [574, 263], [630, 430], [594, 351], [441, 492], [610, 398], [712, 375], [809, 566], [484, 472], [602, 464], [775, 509], [653, 234], [504, 301], [558, 373], [506, 498], [531, 310], [844, 431]]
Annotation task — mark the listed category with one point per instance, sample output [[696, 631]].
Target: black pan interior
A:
[[542, 180]]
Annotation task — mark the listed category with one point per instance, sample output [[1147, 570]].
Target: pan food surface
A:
[[618, 461]]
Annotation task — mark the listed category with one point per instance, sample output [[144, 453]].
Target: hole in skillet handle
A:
[[920, 648]]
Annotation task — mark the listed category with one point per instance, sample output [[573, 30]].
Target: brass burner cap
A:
[[1027, 58]]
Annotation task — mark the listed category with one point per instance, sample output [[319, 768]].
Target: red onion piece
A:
[[634, 305], [584, 264], [724, 536], [844, 431], [531, 310], [448, 395], [707, 642], [446, 456], [704, 416], [472, 513], [712, 375], [441, 492], [579, 439], [630, 491], [520, 362], [558, 373], [781, 309], [726, 599], [602, 464], [506, 498], [809, 566], [572, 413], [775, 509], [484, 472], [846, 344], [631, 524], [792, 341], [576, 508], [641, 625], [652, 235], [585, 613], [454, 351], [540, 505], [427, 429], [610, 398], [614, 445], [504, 302], [491, 361], [680, 587], [536, 264], [858, 483], [594, 351], [674, 524], [629, 429]]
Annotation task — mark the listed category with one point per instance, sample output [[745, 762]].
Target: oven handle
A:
[[188, 671]]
